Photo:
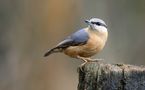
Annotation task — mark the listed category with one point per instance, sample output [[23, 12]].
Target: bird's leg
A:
[[87, 60], [82, 58], [93, 60]]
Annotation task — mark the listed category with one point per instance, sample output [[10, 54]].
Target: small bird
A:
[[85, 42]]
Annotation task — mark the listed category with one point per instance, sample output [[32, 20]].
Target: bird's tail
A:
[[53, 50]]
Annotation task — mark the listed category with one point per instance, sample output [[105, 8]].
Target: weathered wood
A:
[[101, 76]]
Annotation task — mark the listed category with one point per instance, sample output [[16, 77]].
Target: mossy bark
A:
[[102, 76]]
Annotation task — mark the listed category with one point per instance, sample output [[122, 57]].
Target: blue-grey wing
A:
[[78, 38]]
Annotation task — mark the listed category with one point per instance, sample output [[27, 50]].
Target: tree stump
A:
[[102, 76]]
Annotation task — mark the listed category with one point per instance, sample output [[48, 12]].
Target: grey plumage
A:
[[78, 38]]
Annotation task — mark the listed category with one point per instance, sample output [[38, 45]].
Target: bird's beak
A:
[[88, 22]]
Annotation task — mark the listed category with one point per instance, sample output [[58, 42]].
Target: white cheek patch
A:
[[101, 28]]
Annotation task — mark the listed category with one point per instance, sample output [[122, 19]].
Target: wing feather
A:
[[78, 38]]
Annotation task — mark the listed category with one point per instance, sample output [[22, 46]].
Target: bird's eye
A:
[[97, 23]]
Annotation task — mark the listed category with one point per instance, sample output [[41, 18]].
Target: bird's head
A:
[[97, 24]]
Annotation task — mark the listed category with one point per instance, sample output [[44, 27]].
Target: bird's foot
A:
[[81, 66], [97, 60], [94, 60], [87, 60], [82, 58]]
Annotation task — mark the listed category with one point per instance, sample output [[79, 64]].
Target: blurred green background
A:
[[29, 27]]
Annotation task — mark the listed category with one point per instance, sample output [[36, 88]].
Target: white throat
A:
[[102, 29]]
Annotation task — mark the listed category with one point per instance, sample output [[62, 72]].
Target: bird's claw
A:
[[87, 60], [81, 66], [97, 60]]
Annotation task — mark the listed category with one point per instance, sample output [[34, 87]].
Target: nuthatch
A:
[[85, 42]]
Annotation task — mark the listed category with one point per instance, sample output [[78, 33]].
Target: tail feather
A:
[[48, 53], [53, 50]]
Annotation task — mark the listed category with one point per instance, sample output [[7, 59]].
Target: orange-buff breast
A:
[[93, 46]]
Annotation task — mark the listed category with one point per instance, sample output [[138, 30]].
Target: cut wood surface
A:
[[102, 76]]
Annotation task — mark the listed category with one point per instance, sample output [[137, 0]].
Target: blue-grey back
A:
[[80, 36]]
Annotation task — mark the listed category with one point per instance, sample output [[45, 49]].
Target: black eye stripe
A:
[[99, 24]]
